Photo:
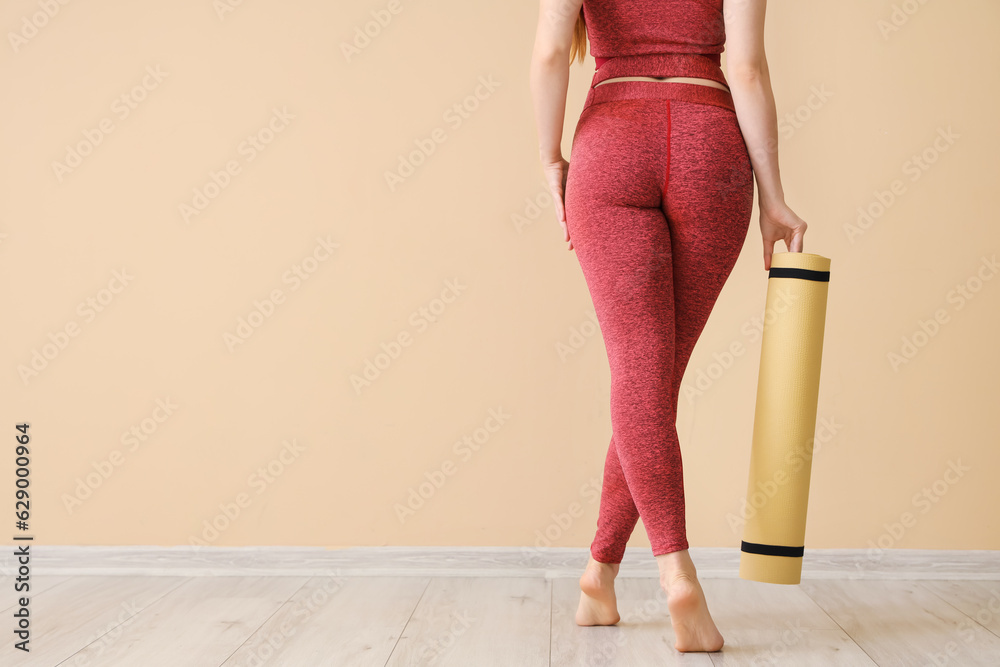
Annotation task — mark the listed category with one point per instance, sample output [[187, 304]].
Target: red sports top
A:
[[639, 27]]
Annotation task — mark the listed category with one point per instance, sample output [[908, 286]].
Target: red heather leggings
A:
[[658, 197]]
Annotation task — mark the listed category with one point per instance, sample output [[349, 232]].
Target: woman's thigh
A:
[[708, 202], [620, 233]]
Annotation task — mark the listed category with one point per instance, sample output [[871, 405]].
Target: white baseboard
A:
[[552, 562]]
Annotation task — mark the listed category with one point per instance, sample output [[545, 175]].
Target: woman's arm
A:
[[550, 71], [750, 84], [549, 80]]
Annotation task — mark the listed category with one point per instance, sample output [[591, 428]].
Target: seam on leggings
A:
[[666, 179]]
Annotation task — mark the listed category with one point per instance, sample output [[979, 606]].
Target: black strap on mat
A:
[[772, 550], [802, 274]]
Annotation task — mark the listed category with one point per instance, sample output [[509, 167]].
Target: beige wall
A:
[[315, 199]]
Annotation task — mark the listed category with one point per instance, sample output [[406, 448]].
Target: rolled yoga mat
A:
[[785, 418]]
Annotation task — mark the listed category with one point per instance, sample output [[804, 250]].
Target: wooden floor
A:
[[520, 621]]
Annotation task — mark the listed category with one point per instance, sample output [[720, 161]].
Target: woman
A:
[[657, 206]]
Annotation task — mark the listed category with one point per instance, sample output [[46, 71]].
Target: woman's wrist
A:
[[771, 205], [548, 156]]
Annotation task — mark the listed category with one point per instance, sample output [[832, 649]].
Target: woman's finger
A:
[[796, 245], [558, 174]]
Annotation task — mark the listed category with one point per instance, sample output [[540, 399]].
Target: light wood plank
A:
[[772, 624], [465, 621], [198, 624], [901, 564], [334, 622], [979, 600], [643, 636], [83, 611], [552, 562], [37, 586], [937, 608], [902, 623]]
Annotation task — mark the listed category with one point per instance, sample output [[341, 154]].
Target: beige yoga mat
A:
[[785, 418]]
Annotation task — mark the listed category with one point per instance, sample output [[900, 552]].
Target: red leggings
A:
[[658, 198]]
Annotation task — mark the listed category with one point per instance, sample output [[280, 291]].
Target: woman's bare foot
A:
[[598, 605], [694, 628]]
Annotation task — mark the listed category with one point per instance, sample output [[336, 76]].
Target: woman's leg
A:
[[613, 197], [614, 209], [708, 202], [619, 231]]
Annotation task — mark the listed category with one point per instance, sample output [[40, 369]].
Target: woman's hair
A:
[[579, 45]]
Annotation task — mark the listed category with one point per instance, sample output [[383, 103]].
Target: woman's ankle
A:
[[599, 566], [675, 565]]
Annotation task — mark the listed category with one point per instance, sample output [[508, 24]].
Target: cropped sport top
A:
[[638, 27], [659, 39]]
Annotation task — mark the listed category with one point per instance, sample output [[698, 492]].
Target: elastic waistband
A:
[[660, 65]]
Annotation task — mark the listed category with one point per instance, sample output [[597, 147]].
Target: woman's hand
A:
[[556, 171], [780, 223]]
